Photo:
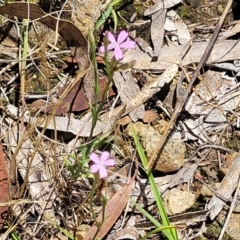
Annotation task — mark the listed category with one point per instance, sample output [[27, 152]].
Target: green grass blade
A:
[[115, 20], [147, 215], [14, 236], [103, 18], [170, 233], [107, 13]]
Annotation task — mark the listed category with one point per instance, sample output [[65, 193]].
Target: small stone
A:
[[85, 14], [206, 192], [177, 201], [173, 153]]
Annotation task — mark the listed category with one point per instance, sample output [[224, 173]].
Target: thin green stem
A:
[[96, 84], [94, 185]]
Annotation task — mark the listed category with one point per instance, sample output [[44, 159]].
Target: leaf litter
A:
[[60, 122]]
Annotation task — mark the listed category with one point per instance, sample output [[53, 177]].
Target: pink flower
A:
[[101, 163], [119, 44]]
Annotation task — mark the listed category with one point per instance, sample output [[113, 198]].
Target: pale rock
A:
[[177, 201], [172, 156], [206, 191], [85, 14]]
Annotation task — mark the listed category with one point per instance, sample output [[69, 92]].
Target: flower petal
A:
[[111, 46], [122, 37], [94, 158], [110, 162], [103, 172], [94, 168], [128, 45], [111, 38], [102, 49], [104, 156], [118, 53]]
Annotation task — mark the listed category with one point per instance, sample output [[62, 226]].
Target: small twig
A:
[[38, 19], [180, 105], [210, 146], [198, 94], [25, 28], [225, 200], [230, 211], [34, 58]]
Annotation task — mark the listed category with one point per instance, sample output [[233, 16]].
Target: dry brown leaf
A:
[[75, 126], [113, 210], [161, 5], [157, 31], [222, 51], [128, 89], [183, 175], [68, 124], [212, 89], [178, 27], [76, 99], [148, 91], [228, 186]]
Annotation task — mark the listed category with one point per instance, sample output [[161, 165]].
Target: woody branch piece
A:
[[181, 103]]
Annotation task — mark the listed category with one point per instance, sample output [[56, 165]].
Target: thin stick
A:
[[180, 105], [230, 211], [23, 65]]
